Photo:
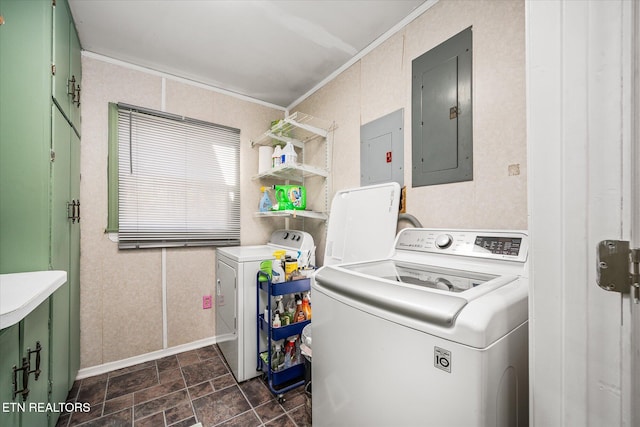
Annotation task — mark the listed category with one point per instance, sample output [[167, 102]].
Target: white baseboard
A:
[[124, 363]]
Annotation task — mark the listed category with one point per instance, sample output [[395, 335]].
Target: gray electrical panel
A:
[[382, 150], [442, 132]]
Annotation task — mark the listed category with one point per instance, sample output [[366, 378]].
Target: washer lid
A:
[[362, 223], [477, 316], [382, 296]]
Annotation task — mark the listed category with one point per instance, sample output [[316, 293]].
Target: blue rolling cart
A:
[[282, 380]]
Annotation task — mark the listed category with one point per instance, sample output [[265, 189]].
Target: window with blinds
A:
[[177, 180]]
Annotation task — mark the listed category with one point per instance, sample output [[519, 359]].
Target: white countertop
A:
[[21, 293]]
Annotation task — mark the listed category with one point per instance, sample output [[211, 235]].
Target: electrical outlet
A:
[[206, 302]]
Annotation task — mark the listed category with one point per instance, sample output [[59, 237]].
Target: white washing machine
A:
[[236, 270], [434, 335]]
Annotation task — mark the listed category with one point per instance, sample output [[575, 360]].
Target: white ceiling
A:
[[273, 51]]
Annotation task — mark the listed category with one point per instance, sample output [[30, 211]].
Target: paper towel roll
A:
[[264, 158]]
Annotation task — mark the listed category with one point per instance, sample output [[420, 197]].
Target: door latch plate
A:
[[617, 266]]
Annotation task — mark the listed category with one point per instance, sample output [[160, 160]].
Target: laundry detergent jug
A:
[[290, 197]]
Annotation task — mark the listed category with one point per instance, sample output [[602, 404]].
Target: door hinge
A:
[[52, 156], [619, 267], [53, 69]]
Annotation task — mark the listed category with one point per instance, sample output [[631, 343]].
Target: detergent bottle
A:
[[289, 155], [265, 202], [290, 197], [276, 157], [265, 267]]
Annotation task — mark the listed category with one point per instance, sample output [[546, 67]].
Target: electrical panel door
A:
[[382, 150], [442, 132]]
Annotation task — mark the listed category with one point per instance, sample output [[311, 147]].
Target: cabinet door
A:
[[74, 266], [75, 66], [36, 330], [66, 58], [62, 84], [60, 251], [25, 85], [9, 357]]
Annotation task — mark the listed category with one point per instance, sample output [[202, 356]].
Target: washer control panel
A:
[[504, 245], [443, 241]]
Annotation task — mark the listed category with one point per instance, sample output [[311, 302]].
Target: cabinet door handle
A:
[[71, 87], [37, 352], [73, 211], [25, 379]]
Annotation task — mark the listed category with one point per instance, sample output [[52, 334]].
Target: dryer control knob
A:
[[443, 241]]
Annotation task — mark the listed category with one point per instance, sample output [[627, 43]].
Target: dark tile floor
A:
[[182, 390]]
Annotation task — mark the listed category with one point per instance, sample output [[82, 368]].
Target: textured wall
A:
[[380, 83], [121, 291]]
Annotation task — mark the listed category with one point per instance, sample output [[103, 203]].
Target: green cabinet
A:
[[73, 274], [35, 337], [66, 73], [40, 80], [65, 255], [24, 350], [65, 198], [9, 357], [25, 134]]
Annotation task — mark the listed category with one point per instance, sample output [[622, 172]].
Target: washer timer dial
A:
[[443, 241]]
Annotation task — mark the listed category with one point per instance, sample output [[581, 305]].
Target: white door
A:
[[582, 136]]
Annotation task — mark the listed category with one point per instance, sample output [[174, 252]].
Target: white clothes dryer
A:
[[236, 270], [354, 214]]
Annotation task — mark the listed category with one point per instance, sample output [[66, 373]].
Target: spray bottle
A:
[[265, 202]]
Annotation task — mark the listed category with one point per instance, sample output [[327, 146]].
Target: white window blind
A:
[[178, 181]]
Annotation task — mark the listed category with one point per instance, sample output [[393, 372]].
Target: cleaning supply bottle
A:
[[276, 320], [287, 353], [281, 197], [279, 305], [265, 202], [276, 157], [306, 307], [299, 316], [276, 357], [265, 267], [276, 268], [290, 197], [289, 155], [291, 309]]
